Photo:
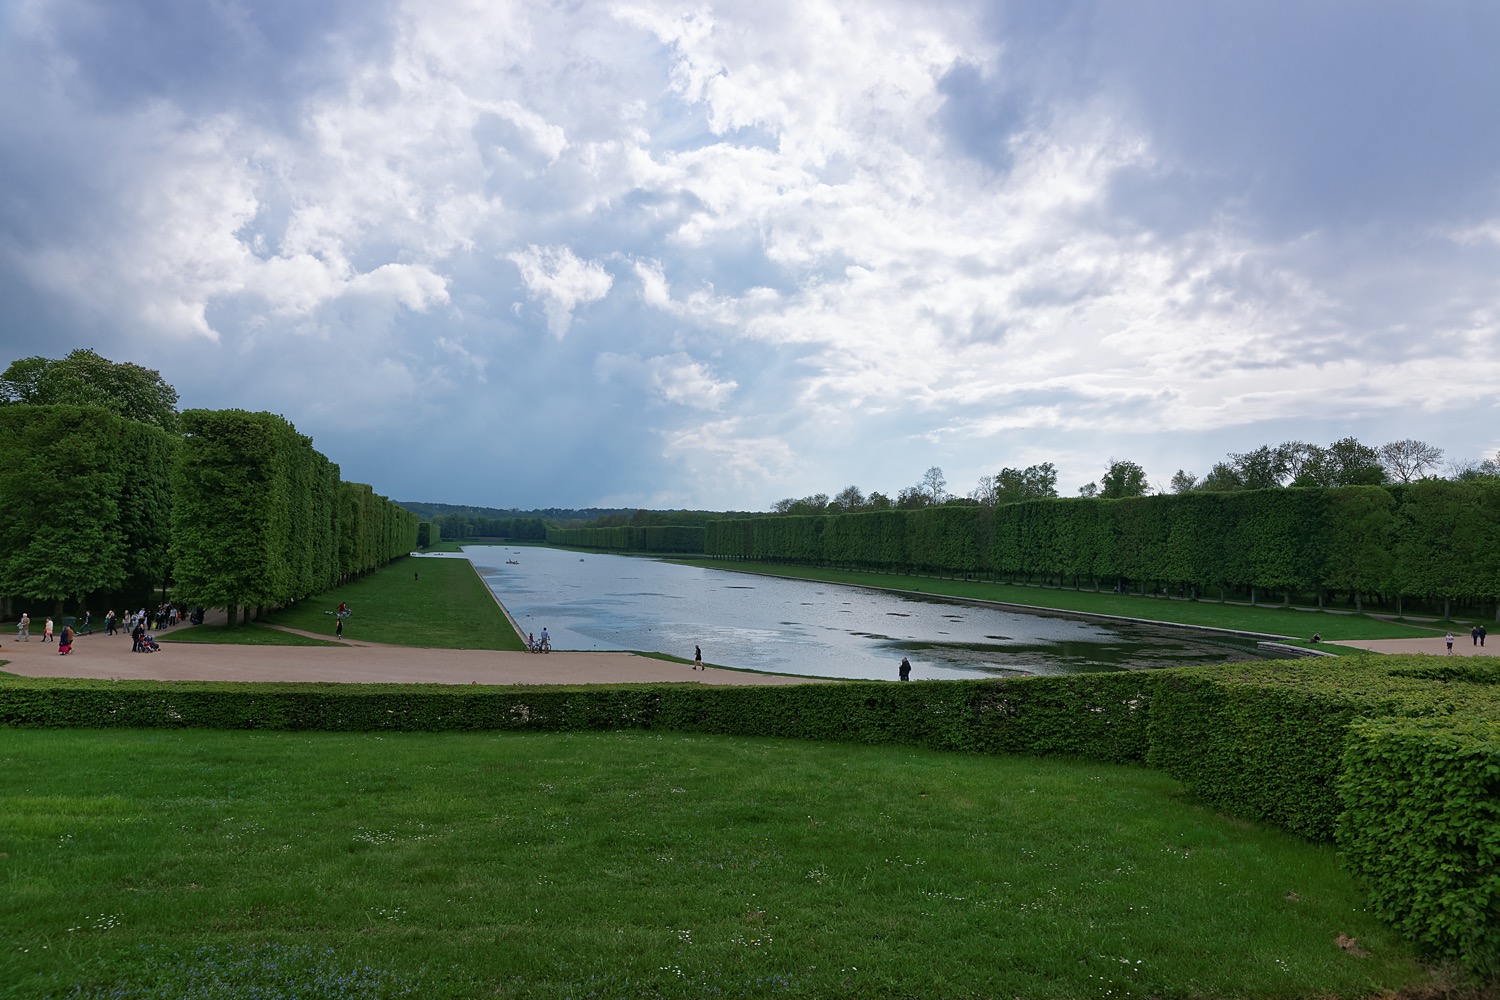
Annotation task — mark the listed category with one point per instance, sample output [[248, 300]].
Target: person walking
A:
[[109, 622], [338, 628], [697, 657], [24, 631], [47, 631], [87, 628], [1474, 634], [904, 671], [1449, 640], [1481, 637]]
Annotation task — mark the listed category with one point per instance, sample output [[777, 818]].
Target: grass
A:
[[166, 865], [436, 603], [1268, 619], [241, 635]]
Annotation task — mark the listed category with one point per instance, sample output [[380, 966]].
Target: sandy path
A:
[[1463, 645], [101, 655]]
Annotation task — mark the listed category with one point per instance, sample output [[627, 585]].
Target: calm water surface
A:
[[606, 602]]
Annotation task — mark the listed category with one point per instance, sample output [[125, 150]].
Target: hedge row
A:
[[1395, 758], [1433, 539], [1096, 716], [631, 538]]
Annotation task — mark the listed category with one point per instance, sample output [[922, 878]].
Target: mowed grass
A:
[[240, 635], [435, 603], [150, 864], [1268, 618]]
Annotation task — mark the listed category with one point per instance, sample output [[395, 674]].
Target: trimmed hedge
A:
[[1096, 716], [1421, 829]]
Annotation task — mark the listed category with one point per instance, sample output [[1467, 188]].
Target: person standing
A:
[[87, 628], [904, 671], [1447, 638], [138, 636], [1474, 634], [65, 641], [546, 641], [109, 622], [47, 631], [697, 657], [24, 631]]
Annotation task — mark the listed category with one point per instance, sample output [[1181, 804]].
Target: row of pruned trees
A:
[[260, 518], [631, 538], [235, 509], [1432, 539]]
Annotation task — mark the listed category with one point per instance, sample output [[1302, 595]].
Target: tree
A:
[[912, 498], [985, 492], [1088, 490], [1222, 478], [878, 501], [1261, 469], [1408, 459], [848, 499], [1464, 472], [1122, 479], [1350, 463], [1035, 482], [83, 378], [1302, 461], [934, 485], [1183, 482]]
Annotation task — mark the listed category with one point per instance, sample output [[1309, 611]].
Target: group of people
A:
[[1477, 634], [542, 645], [64, 639]]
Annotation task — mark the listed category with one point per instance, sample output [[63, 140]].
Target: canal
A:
[[590, 601]]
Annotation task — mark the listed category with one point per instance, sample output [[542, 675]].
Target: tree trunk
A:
[[1252, 597], [1359, 603], [1447, 609]]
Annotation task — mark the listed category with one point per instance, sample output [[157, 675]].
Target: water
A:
[[608, 602]]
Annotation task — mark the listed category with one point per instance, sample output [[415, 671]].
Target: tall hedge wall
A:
[[630, 538], [1432, 539]]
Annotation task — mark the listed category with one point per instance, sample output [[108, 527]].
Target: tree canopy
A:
[[84, 378]]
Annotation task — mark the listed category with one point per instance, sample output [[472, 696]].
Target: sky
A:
[[709, 256]]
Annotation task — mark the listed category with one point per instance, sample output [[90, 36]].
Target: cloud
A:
[[561, 282], [857, 240]]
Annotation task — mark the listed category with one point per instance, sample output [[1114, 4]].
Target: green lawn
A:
[[439, 603], [1266, 618], [240, 635], [197, 864]]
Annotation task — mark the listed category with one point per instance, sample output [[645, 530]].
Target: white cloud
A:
[[562, 282]]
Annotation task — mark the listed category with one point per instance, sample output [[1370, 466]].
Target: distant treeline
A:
[[238, 510], [1432, 539], [457, 527]]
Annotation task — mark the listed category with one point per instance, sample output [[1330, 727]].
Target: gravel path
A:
[[100, 655]]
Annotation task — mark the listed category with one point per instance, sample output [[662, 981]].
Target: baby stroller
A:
[[149, 644]]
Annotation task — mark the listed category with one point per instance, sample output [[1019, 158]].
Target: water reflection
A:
[[604, 602]]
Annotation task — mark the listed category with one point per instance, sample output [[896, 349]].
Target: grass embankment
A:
[[1296, 623], [145, 864], [437, 603]]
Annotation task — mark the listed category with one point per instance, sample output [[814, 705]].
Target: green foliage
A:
[[672, 538], [261, 519], [1421, 829], [86, 502], [1397, 757], [83, 378], [1434, 539]]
